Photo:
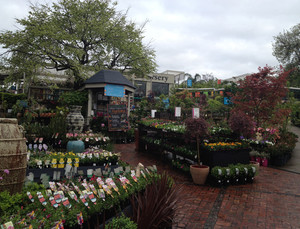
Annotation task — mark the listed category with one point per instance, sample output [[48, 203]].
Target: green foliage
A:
[[215, 106], [232, 174], [18, 206], [80, 36], [58, 122], [121, 222], [295, 116], [79, 98], [11, 99], [9, 204], [286, 46]]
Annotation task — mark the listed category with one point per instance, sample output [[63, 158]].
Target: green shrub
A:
[[79, 98], [121, 222], [12, 99]]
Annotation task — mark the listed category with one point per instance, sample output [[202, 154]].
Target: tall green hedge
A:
[[11, 99]]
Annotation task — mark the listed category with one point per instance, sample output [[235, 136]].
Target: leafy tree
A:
[[286, 46], [260, 95], [79, 36], [286, 50]]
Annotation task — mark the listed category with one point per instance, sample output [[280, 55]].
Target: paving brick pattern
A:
[[272, 201]]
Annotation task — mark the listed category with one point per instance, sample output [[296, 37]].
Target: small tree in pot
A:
[[197, 128]]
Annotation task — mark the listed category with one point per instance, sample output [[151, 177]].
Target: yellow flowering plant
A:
[[217, 146]]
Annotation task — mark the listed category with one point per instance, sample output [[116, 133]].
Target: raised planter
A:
[[225, 157], [280, 160]]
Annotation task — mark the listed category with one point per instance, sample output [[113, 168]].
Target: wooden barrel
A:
[[13, 156]]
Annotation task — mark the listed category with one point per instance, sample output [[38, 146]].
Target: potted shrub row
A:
[[232, 174]]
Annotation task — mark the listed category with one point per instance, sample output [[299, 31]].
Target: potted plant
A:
[[197, 128]]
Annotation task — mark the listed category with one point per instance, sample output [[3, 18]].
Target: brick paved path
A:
[[272, 201]]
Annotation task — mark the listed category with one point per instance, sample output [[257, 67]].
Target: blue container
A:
[[75, 146]]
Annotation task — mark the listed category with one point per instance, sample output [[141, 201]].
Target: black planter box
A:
[[280, 160], [224, 157]]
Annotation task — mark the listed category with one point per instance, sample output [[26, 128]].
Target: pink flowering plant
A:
[[3, 173], [267, 134]]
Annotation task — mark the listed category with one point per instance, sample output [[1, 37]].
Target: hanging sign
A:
[[177, 111], [189, 82], [114, 90], [227, 100], [117, 117], [196, 113]]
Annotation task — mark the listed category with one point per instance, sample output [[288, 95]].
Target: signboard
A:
[[166, 102], [153, 113], [117, 117], [114, 90], [189, 82], [227, 100], [196, 113], [177, 111]]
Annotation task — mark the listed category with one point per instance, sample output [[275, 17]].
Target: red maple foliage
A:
[[260, 94]]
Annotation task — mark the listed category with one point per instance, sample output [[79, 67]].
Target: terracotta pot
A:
[[256, 165], [199, 173]]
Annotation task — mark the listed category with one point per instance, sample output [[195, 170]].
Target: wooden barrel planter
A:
[[13, 156]]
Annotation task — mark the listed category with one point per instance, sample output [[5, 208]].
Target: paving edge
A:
[[214, 212]]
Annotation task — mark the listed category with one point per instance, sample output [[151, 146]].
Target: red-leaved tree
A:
[[260, 94]]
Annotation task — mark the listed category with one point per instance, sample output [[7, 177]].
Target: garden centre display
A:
[[74, 203]]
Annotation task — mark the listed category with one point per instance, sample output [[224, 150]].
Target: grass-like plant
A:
[[156, 206]]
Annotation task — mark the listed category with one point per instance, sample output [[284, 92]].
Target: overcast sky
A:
[[223, 37]]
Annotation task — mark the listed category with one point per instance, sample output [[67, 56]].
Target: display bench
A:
[[56, 174], [153, 140], [159, 141]]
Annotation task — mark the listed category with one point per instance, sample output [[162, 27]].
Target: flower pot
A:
[[264, 162], [256, 165], [199, 173], [258, 159], [75, 146], [75, 120]]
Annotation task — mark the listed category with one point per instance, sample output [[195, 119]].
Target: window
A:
[[140, 90], [160, 88]]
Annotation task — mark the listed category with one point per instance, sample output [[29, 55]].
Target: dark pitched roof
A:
[[109, 77]]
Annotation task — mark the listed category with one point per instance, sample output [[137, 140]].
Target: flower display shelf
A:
[[50, 171], [77, 203], [157, 140]]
